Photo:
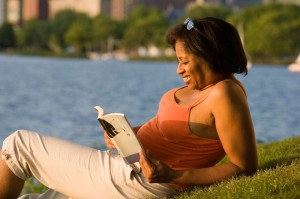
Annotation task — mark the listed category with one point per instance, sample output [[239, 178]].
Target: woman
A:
[[195, 127]]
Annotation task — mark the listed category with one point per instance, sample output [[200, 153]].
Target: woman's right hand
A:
[[108, 141]]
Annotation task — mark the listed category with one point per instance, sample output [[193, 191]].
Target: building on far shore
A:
[[3, 11], [35, 9], [18, 11], [13, 11], [90, 7]]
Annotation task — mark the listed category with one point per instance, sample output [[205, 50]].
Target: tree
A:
[[79, 35], [34, 34], [145, 26], [7, 36], [61, 23], [206, 11], [271, 30], [103, 29]]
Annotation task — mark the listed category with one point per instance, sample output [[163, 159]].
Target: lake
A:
[[56, 96]]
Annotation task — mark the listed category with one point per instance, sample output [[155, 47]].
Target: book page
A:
[[119, 130]]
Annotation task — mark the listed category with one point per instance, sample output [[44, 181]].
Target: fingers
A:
[[145, 158], [149, 168], [145, 165], [154, 170], [150, 159]]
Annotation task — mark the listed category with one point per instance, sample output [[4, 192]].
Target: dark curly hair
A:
[[215, 40]]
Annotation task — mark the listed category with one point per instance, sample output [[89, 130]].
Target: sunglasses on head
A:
[[190, 24]]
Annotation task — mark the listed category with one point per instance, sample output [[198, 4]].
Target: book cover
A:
[[121, 133]]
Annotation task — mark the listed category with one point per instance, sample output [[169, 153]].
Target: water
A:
[[274, 96], [56, 96]]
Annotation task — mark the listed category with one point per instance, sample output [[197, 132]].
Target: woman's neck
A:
[[214, 80]]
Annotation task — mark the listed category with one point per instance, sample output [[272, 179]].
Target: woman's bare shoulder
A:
[[229, 87]]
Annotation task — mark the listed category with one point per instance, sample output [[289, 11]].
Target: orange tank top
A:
[[168, 138]]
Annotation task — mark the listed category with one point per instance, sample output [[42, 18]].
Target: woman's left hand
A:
[[154, 170]]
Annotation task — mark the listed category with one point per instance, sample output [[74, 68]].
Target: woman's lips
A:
[[186, 79]]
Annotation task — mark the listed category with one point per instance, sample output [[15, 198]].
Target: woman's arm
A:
[[234, 126]]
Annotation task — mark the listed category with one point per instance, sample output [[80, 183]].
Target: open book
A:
[[121, 133]]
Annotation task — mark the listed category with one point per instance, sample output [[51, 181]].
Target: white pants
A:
[[74, 171]]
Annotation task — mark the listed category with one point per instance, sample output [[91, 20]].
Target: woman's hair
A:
[[215, 40]]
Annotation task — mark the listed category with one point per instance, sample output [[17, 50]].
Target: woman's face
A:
[[194, 71]]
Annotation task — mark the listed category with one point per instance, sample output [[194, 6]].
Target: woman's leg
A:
[[68, 168], [10, 185], [75, 171]]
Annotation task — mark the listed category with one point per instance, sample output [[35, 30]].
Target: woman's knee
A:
[[17, 138], [16, 152], [21, 135]]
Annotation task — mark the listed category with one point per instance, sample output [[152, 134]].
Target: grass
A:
[[278, 176]]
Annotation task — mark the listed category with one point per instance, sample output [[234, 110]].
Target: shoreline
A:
[[282, 60]]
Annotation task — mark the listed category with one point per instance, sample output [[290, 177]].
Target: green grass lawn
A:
[[278, 176]]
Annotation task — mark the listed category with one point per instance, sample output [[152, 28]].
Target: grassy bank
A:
[[278, 176]]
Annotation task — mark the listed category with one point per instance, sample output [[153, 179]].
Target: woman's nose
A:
[[180, 69]]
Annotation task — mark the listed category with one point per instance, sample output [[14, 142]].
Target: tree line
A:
[[269, 32]]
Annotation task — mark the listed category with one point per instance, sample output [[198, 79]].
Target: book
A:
[[121, 134]]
